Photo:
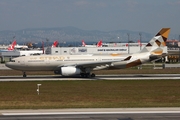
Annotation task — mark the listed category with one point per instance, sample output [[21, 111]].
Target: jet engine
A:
[[68, 71]]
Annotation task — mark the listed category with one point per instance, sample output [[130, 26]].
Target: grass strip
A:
[[90, 94]]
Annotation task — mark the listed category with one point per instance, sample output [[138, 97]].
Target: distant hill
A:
[[71, 35]]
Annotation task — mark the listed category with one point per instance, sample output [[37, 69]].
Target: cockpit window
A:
[[12, 60]]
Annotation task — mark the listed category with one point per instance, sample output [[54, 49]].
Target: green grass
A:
[[90, 94]]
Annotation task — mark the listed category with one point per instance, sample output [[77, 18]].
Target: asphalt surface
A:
[[98, 77], [93, 114]]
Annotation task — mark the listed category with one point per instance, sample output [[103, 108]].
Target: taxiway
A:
[[94, 114], [98, 77]]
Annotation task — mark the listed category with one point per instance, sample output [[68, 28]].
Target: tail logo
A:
[[157, 43]]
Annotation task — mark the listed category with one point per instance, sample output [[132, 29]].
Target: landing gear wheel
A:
[[93, 75], [85, 75], [88, 75], [82, 75], [24, 74]]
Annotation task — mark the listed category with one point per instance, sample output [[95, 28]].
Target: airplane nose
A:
[[10, 65], [7, 64]]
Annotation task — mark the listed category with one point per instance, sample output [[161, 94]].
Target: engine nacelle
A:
[[154, 57], [69, 71]]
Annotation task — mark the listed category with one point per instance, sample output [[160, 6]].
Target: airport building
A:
[[123, 48], [8, 55]]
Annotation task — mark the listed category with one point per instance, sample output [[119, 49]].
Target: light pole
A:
[[140, 67], [118, 41], [47, 42], [128, 42], [140, 40]]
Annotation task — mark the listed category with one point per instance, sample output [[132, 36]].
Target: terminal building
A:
[[6, 55], [123, 48]]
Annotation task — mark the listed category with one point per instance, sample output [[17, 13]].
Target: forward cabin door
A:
[[22, 62], [48, 65], [47, 62]]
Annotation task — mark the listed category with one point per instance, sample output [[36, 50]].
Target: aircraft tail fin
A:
[[99, 44], [11, 47], [83, 43], [151, 52], [157, 44], [139, 42], [55, 44]]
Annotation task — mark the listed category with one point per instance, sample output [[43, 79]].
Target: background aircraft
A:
[[12, 46], [55, 44], [17, 46], [99, 44], [68, 65]]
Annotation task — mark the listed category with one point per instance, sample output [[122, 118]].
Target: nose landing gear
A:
[[24, 74]]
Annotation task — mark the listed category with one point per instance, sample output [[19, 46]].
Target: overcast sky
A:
[[105, 15]]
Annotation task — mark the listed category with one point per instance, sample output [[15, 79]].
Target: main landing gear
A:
[[24, 74], [87, 75]]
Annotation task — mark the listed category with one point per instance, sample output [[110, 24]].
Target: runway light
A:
[[38, 88]]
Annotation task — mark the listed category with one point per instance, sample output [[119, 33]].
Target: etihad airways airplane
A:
[[83, 65]]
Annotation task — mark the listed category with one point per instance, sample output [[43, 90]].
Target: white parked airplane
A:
[[35, 52], [68, 65], [21, 46]]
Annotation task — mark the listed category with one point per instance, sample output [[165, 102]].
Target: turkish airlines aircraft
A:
[[99, 44], [69, 65], [55, 44], [12, 46]]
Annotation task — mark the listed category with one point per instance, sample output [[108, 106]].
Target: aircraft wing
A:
[[90, 65]]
